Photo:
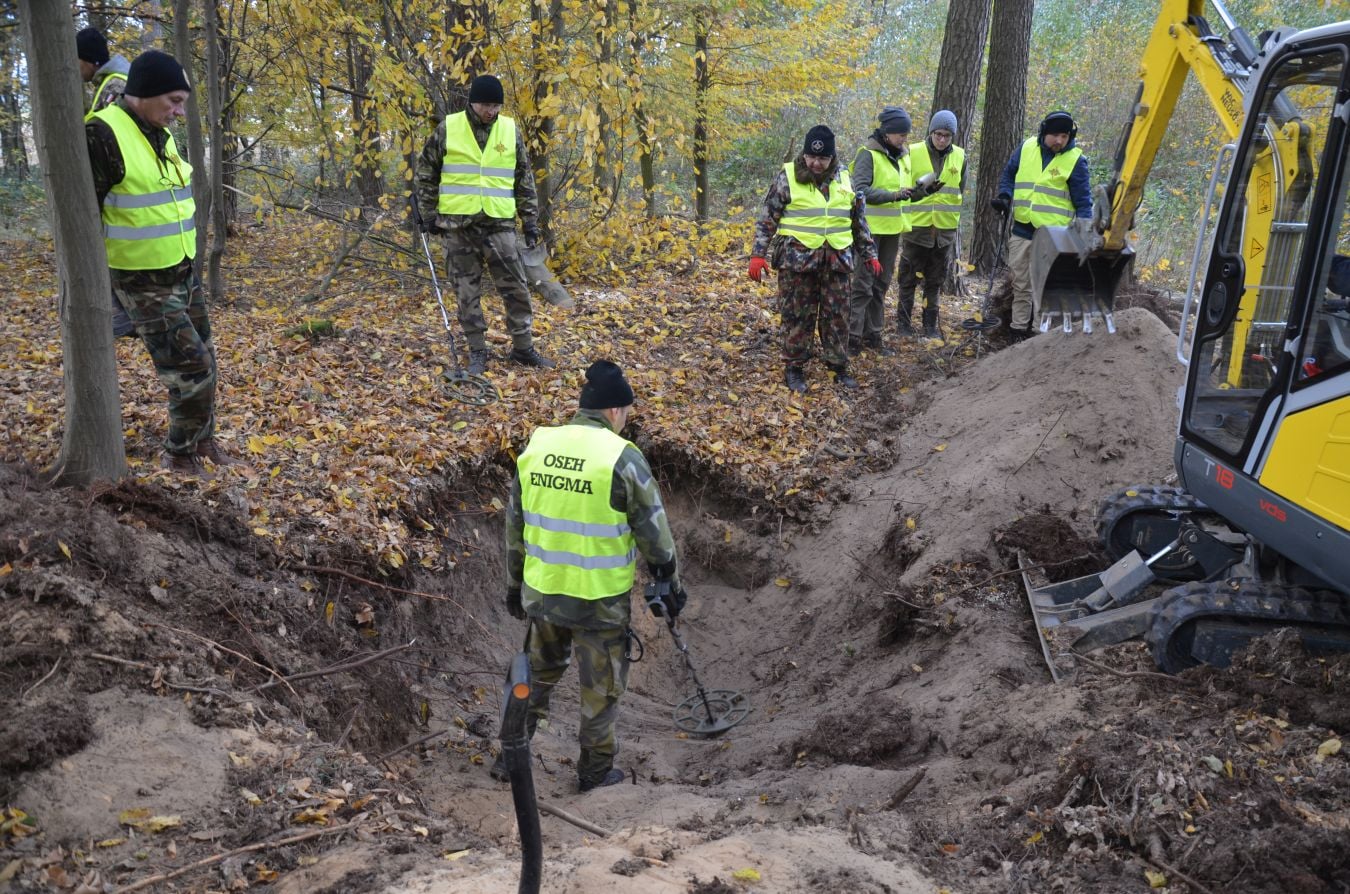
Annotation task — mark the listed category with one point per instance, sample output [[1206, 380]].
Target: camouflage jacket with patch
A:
[[785, 252], [635, 493], [427, 182]]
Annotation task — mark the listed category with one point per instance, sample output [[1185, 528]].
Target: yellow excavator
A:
[[1257, 534]]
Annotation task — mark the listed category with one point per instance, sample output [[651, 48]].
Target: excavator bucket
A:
[[1071, 277]]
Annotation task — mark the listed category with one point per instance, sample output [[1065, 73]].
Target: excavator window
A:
[[1248, 295], [1326, 350]]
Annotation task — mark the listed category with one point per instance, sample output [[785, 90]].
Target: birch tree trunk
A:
[[91, 446]]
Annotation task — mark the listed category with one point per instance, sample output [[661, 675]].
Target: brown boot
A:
[[184, 464], [209, 449]]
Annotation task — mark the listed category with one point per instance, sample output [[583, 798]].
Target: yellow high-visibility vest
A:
[[943, 208], [98, 93], [1041, 196], [888, 218], [814, 220], [477, 180], [147, 218], [576, 543]]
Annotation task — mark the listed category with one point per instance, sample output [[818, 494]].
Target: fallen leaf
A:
[[160, 823], [1155, 879], [1034, 838], [65, 549], [252, 799], [452, 856], [1328, 748], [111, 842], [783, 582], [1212, 762], [911, 524], [133, 816], [950, 848], [939, 448], [746, 875]]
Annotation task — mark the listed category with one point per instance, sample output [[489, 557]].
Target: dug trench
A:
[[904, 736]]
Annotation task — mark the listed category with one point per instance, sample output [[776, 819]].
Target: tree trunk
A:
[[13, 152], [646, 160], [958, 80], [604, 174], [467, 20], [546, 17], [214, 103], [365, 128], [91, 447], [1005, 98], [702, 85], [182, 44]]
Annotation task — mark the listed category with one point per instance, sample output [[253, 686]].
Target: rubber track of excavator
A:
[[1265, 606], [1158, 498]]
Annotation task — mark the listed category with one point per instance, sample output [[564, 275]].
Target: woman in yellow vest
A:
[[144, 189], [814, 232], [930, 236], [1045, 183], [584, 505]]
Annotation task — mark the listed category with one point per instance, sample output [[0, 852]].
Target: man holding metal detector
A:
[[583, 505], [473, 179]]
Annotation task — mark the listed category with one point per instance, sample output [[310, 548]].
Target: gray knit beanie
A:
[[943, 120]]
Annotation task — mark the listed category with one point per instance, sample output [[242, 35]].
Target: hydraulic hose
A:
[[516, 756]]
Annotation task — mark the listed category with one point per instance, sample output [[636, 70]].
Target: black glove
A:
[[1001, 204], [531, 235], [933, 187], [664, 600], [514, 605], [904, 195], [429, 225]]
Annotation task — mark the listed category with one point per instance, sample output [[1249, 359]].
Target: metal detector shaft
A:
[[688, 663]]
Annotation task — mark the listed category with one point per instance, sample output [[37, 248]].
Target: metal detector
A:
[[459, 384], [709, 712]]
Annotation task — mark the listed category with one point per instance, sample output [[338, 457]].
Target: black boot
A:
[[478, 361], [930, 325], [613, 777], [905, 322], [530, 357], [844, 380], [873, 342], [794, 379], [854, 346]]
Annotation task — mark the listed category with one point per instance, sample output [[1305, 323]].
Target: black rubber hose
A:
[[516, 756]]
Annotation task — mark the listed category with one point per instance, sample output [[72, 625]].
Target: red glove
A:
[[875, 266], [757, 268]]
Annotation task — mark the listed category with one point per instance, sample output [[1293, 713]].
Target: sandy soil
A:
[[905, 736]]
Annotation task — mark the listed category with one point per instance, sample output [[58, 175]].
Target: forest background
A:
[[655, 126]]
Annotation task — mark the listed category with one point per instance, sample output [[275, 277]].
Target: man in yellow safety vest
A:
[[144, 189], [473, 179], [108, 73], [813, 232], [1045, 183], [584, 504]]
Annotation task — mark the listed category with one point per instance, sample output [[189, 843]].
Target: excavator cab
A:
[[1257, 535]]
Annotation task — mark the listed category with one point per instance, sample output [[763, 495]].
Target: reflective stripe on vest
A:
[[477, 180], [814, 220], [98, 94], [147, 218], [576, 544], [943, 208], [1041, 197], [888, 218]]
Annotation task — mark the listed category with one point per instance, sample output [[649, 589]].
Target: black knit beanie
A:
[[895, 120], [92, 46], [819, 141], [605, 387], [486, 89], [154, 73], [1057, 122]]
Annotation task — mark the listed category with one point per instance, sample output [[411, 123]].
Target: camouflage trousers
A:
[[928, 262], [867, 302], [170, 318], [466, 250], [603, 669], [811, 301]]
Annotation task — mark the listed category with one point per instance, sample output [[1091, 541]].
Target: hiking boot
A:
[[478, 361], [183, 464], [873, 342], [854, 346], [905, 326], [613, 777], [498, 769], [932, 332], [795, 380], [209, 449], [1015, 335], [845, 381], [530, 357]]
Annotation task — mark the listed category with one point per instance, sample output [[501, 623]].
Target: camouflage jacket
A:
[[427, 182], [112, 87], [785, 252], [635, 494]]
